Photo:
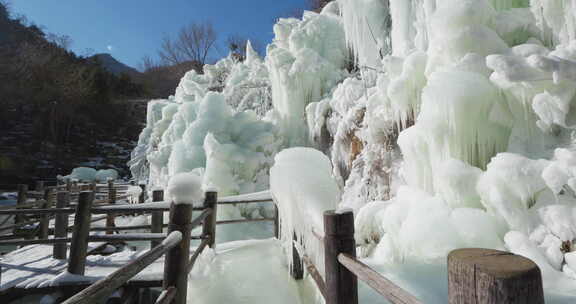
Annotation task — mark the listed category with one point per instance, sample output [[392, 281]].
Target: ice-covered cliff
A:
[[449, 123]]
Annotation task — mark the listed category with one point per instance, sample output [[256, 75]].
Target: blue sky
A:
[[131, 29]]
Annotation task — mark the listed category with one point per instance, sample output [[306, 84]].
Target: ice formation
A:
[[446, 124], [90, 174], [302, 195]]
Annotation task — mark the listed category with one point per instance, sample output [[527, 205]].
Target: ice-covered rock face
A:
[[463, 128], [449, 123], [218, 136], [306, 59]]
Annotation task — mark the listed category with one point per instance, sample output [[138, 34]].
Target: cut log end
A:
[[491, 276]]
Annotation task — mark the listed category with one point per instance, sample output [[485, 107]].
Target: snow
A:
[[87, 174], [133, 193], [185, 188], [248, 272], [33, 266], [256, 196], [303, 189]]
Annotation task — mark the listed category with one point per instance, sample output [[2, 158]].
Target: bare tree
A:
[[236, 44], [317, 5], [193, 43]]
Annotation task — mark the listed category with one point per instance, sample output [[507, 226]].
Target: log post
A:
[[22, 198], [111, 218], [157, 216], [341, 284], [79, 245], [39, 186], [296, 269], [61, 225], [69, 185], [483, 276], [45, 221], [176, 260], [276, 222], [209, 226], [142, 197]]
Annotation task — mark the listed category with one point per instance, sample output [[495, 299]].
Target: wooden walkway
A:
[[32, 270]]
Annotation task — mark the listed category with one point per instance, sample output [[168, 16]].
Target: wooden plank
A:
[[479, 276], [102, 289], [167, 295], [392, 292]]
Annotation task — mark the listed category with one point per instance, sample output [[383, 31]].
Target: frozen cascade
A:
[[447, 124], [305, 61]]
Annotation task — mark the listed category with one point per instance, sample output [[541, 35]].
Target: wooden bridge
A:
[[475, 275]]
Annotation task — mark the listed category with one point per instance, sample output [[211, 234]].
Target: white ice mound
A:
[[90, 174], [303, 188], [185, 188]]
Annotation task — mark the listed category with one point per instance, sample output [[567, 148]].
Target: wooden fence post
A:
[[176, 260], [39, 186], [22, 198], [276, 222], [157, 216], [209, 226], [341, 284], [296, 269], [485, 276], [45, 221], [69, 185], [79, 245], [61, 225], [111, 218], [142, 197]]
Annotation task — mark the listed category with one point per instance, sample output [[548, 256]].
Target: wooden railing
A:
[[474, 275], [175, 245]]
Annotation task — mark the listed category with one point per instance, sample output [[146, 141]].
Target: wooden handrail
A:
[[199, 219], [197, 253], [244, 202], [313, 271], [102, 289], [167, 295], [385, 287], [245, 221]]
